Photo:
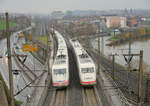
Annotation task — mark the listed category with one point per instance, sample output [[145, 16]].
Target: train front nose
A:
[[88, 80], [60, 81]]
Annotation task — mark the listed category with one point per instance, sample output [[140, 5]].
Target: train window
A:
[[61, 56], [60, 71], [83, 56], [60, 62], [87, 70]]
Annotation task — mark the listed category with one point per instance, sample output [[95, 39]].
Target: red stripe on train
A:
[[60, 83], [89, 82]]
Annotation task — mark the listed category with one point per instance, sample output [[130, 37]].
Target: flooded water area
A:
[[124, 49]]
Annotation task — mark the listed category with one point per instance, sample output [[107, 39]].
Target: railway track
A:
[[91, 97], [29, 74], [132, 98], [118, 83], [75, 94], [59, 97]]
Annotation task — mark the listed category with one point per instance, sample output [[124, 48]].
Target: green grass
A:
[[114, 39], [3, 24], [43, 39]]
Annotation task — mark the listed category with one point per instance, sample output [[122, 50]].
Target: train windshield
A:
[[60, 71], [87, 70]]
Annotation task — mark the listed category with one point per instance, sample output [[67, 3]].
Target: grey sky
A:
[[46, 6]]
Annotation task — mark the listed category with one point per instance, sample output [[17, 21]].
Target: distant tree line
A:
[[136, 34]]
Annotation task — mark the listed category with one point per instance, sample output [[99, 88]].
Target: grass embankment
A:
[[42, 39], [17, 103], [3, 25]]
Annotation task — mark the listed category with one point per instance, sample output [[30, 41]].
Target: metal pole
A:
[[129, 49], [47, 52], [34, 64], [129, 67], [98, 54], [9, 62], [114, 38], [140, 79], [113, 59], [114, 33], [102, 44]]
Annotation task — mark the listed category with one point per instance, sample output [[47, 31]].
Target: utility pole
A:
[[98, 54], [113, 59], [129, 66], [114, 33], [47, 51], [102, 43], [113, 65], [140, 76], [128, 60], [129, 49], [140, 79], [9, 62]]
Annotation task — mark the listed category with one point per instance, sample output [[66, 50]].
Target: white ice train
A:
[[60, 68], [86, 66]]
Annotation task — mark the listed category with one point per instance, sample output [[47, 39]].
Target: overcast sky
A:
[[47, 6]]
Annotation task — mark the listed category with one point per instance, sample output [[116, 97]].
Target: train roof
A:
[[76, 44], [62, 51], [61, 41], [61, 57], [83, 58]]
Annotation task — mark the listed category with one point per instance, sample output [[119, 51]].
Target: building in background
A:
[[115, 21], [57, 15], [132, 22]]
